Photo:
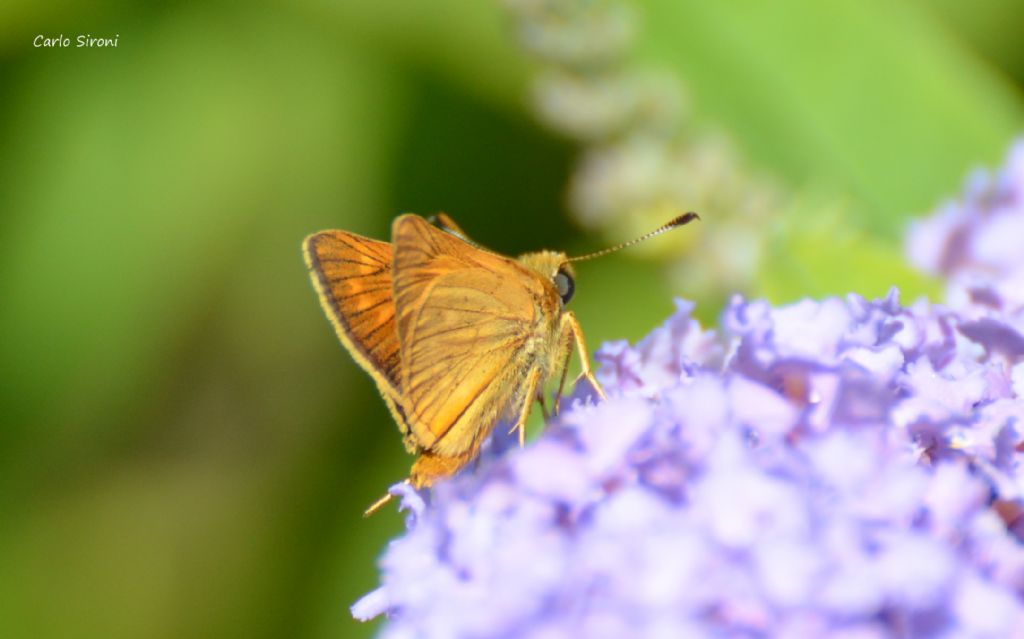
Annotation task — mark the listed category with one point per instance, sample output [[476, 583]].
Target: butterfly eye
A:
[[566, 287]]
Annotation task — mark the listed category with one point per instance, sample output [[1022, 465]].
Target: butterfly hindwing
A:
[[352, 275], [462, 325]]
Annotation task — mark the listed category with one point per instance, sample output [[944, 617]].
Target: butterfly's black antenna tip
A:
[[685, 218]]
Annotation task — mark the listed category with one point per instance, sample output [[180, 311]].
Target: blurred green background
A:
[[186, 450]]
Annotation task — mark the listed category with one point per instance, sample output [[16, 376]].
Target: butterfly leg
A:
[[569, 323], [532, 381], [571, 332], [543, 405], [566, 341]]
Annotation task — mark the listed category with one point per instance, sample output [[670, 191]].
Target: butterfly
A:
[[456, 337]]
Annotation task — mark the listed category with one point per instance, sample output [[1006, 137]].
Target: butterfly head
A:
[[554, 267]]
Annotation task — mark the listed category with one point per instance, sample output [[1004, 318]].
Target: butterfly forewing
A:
[[352, 274], [461, 325]]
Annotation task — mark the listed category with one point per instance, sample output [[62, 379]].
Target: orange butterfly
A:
[[455, 336]]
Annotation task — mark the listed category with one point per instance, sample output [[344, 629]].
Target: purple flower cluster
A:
[[836, 468], [975, 242]]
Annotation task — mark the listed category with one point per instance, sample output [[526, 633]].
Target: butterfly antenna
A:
[[685, 218]]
